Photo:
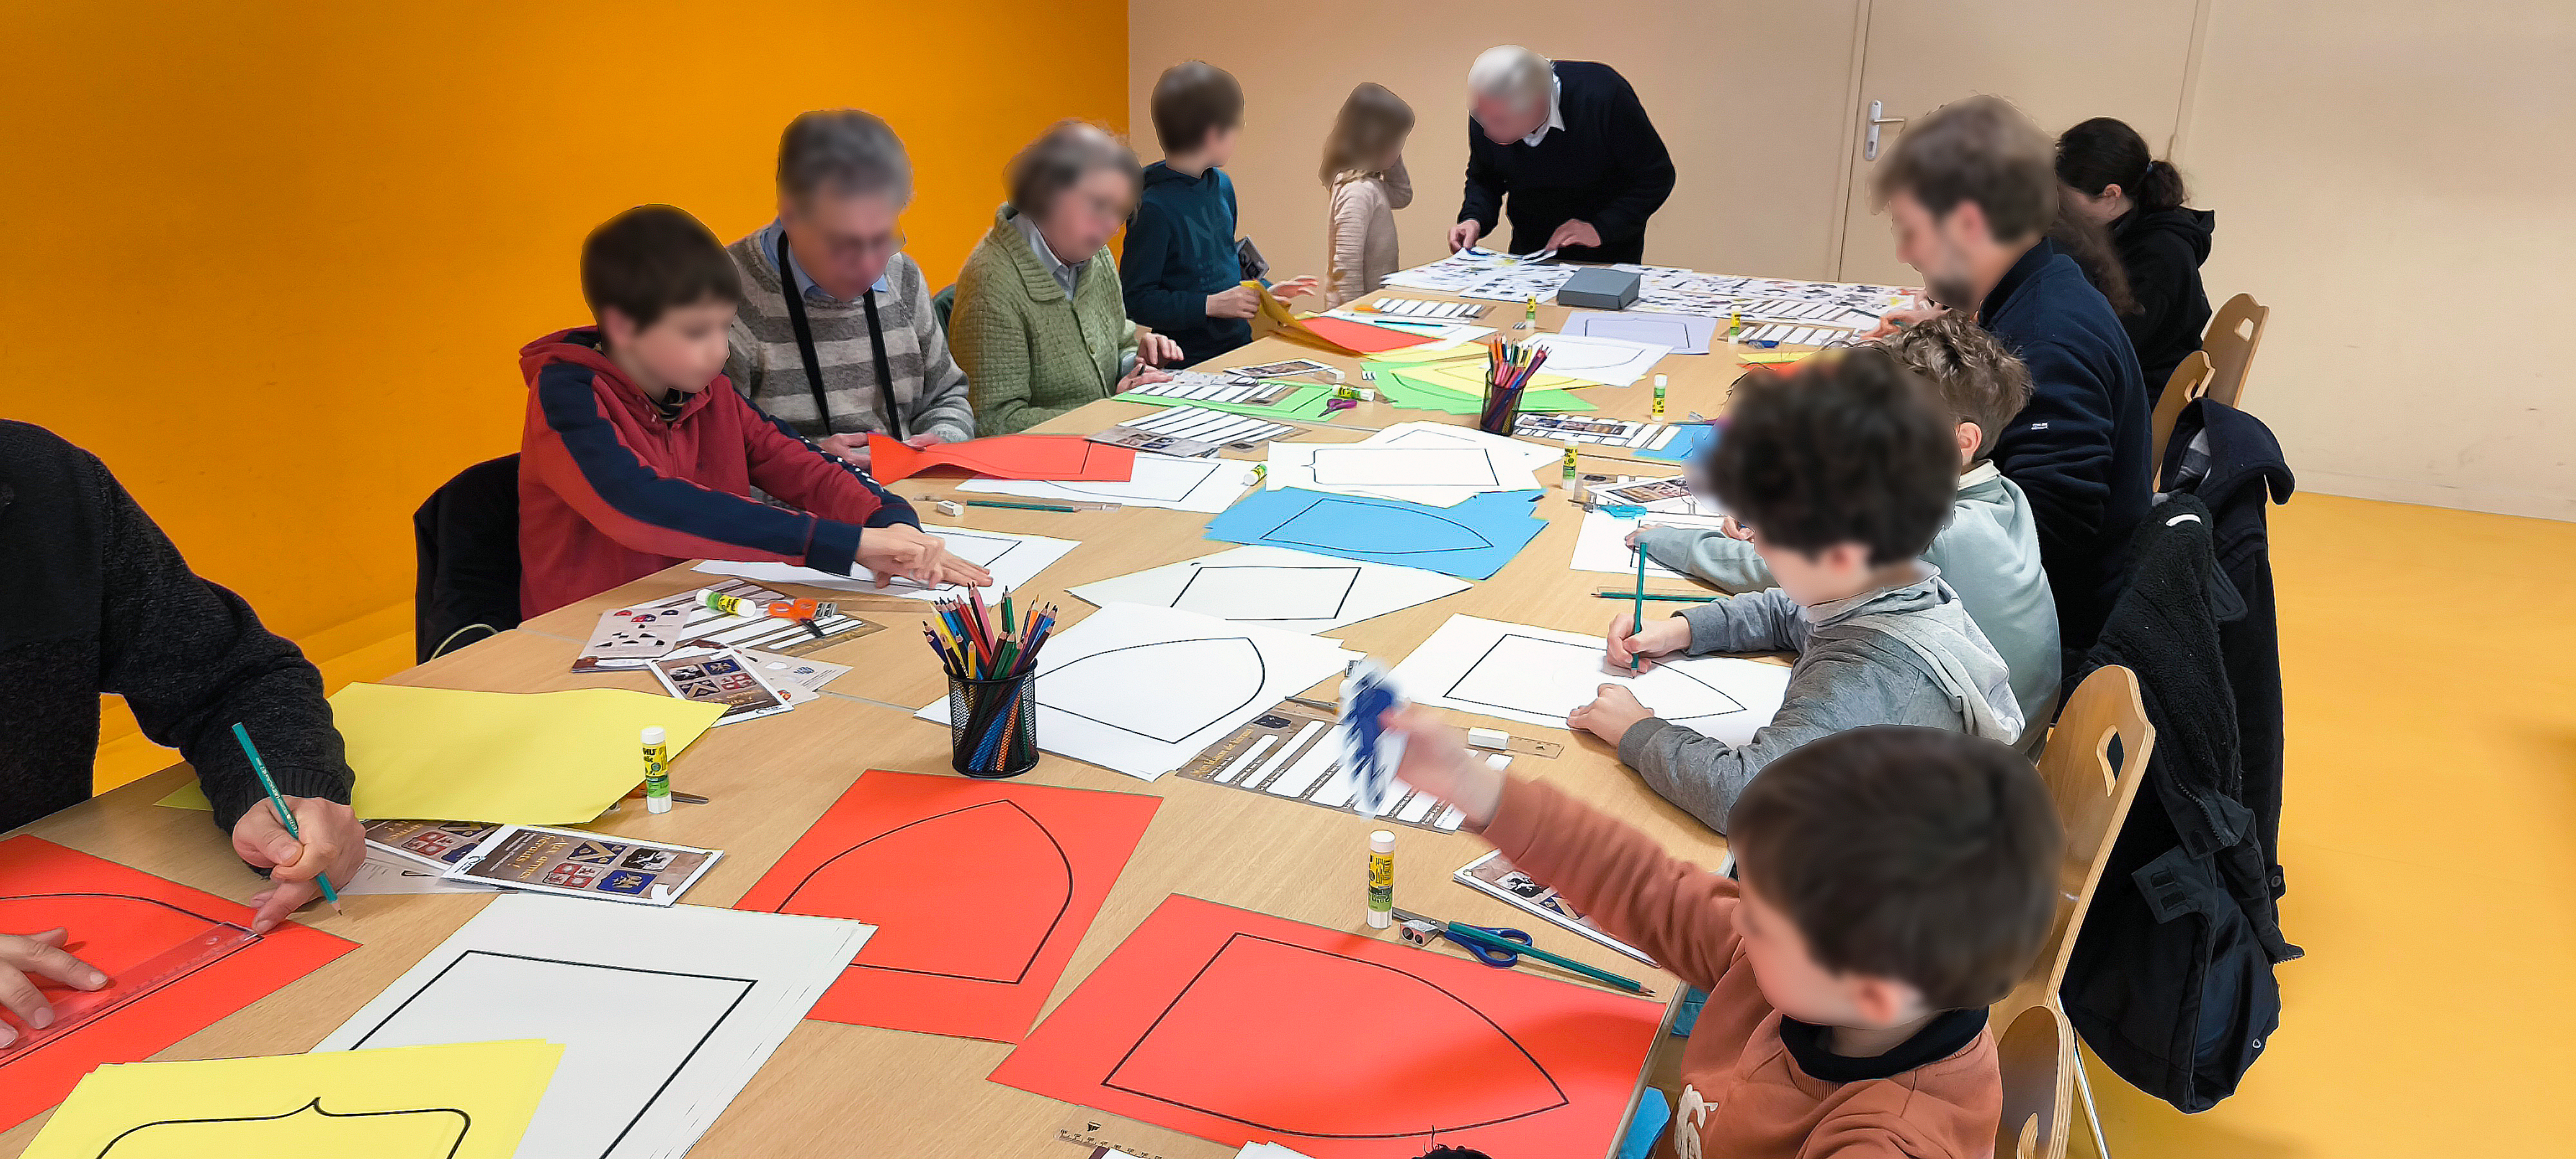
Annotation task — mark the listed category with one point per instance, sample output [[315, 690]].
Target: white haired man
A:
[[1568, 145]]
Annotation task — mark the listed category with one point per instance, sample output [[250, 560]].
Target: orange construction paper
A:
[[1240, 1027], [1359, 337], [1062, 458], [979, 891], [120, 918]]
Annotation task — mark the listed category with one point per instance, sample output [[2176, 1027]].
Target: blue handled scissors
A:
[[1486, 943]]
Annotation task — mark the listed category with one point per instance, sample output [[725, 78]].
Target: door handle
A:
[[1869, 144]]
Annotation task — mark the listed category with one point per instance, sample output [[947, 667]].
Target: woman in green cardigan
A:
[[1037, 332]]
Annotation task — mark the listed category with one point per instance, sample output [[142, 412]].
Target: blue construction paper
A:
[[1472, 540], [1689, 441]]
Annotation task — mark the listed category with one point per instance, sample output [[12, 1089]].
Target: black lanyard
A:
[[814, 366]]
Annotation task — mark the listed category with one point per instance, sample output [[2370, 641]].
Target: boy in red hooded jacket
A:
[[638, 454]]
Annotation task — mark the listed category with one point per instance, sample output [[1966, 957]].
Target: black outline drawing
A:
[[1035, 952], [1554, 352], [640, 1112], [61, 1032], [1452, 694], [1076, 487], [314, 1106], [1340, 602], [1261, 679], [947, 532], [1681, 341], [1271, 536], [1106, 1081], [1493, 476]]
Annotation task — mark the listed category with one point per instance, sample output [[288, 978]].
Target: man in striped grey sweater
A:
[[843, 342]]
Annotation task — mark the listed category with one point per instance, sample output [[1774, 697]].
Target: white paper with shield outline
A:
[[1276, 587], [1203, 485], [1141, 690], [663, 1014], [1601, 544], [1608, 361], [1434, 476], [1538, 675], [1685, 333], [1517, 454], [1013, 559]]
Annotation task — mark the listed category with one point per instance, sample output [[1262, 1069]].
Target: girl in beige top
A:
[[1364, 167]]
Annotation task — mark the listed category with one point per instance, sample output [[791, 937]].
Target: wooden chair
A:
[[2037, 1056], [2234, 332], [2190, 380], [2093, 799]]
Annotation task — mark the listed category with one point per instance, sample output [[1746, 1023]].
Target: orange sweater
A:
[[1770, 1089]]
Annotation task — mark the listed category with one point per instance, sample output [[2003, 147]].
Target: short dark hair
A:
[[1060, 158], [1980, 380], [1981, 149], [2105, 151], [844, 151], [653, 258], [1851, 448], [1191, 100], [1920, 854]]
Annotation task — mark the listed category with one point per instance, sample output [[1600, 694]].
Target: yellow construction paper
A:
[[547, 758], [466, 1101], [1463, 373], [1775, 359]]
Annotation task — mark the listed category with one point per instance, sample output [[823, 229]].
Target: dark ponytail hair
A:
[[2103, 152], [2090, 245]]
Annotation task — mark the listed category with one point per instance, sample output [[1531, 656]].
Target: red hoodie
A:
[[609, 490]]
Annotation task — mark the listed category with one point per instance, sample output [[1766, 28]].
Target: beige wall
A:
[[1755, 132]]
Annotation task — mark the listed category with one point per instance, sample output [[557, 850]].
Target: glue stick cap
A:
[[1659, 379], [653, 734], [1382, 841]]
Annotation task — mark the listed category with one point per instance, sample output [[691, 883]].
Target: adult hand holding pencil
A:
[[304, 843]]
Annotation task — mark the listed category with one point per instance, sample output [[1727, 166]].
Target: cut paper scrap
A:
[[1202, 485], [1538, 675], [1434, 476], [1465, 373], [178, 960], [1690, 441], [1683, 333], [974, 948], [1141, 690], [462, 1101], [1013, 559], [663, 1014], [1276, 587], [1472, 540], [1236, 1026], [545, 758], [1004, 457], [1401, 389]]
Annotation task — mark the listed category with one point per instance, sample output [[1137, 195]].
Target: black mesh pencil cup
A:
[[993, 725]]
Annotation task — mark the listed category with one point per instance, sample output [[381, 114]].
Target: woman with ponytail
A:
[[2113, 180]]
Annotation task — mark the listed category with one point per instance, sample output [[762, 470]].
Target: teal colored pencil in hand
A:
[[285, 816], [1640, 624]]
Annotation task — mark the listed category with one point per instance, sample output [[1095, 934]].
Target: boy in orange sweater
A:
[[1894, 881]]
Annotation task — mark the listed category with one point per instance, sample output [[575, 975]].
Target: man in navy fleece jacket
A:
[[1972, 190]]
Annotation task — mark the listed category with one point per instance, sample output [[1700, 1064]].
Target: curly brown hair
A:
[[1980, 380], [1852, 448]]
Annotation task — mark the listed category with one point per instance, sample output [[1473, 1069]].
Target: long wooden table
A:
[[833, 1089]]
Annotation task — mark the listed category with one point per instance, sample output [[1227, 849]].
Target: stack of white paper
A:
[[1013, 559], [1276, 587], [664, 1014]]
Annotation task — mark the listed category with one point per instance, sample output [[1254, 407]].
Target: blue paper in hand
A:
[[1689, 441], [1369, 753], [1472, 540]]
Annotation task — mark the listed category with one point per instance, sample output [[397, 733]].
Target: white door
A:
[[2062, 63]]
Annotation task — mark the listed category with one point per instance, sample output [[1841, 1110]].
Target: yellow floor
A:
[[2429, 839]]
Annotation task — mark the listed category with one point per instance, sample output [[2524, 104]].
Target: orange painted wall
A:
[[272, 261]]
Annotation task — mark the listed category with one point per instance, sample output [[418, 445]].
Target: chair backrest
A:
[[2036, 1053], [2234, 332], [2093, 798], [2190, 380], [943, 304], [466, 536]]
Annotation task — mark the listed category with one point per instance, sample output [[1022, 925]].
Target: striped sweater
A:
[[766, 366]]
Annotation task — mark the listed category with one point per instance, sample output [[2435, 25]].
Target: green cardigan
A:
[[1029, 352]]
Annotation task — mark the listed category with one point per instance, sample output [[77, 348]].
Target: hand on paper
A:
[[1295, 287], [922, 441], [43, 955], [1141, 376], [1613, 711], [333, 842], [1239, 302], [1574, 233], [1437, 762], [1893, 320], [851, 449], [1156, 350], [1464, 234], [908, 552], [1659, 637], [1728, 527]]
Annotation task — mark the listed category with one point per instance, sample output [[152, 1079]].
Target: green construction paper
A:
[[1399, 390], [1306, 405]]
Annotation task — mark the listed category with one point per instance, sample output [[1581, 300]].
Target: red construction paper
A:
[[118, 918], [1064, 458], [1360, 337], [979, 891], [1236, 1026]]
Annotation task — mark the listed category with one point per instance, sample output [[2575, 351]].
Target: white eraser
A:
[[1489, 738], [951, 508], [1498, 762]]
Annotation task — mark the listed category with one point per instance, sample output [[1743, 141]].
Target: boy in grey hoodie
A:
[[1988, 551], [1845, 470]]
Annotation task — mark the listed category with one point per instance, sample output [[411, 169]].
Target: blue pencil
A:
[[284, 816]]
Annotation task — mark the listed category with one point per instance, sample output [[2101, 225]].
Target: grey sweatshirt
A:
[[1902, 655], [1989, 552]]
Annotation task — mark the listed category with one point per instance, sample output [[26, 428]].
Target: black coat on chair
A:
[[467, 535]]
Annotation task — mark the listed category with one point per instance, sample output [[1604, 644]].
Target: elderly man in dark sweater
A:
[[1567, 143], [1972, 189], [94, 599]]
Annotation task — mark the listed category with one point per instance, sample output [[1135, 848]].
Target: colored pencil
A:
[[285, 816], [1640, 624], [1019, 506], [1675, 597]]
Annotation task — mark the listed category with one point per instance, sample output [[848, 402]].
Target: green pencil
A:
[[1676, 597], [285, 816], [1640, 625], [1019, 506]]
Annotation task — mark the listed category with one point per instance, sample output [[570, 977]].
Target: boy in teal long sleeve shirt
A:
[[1179, 271]]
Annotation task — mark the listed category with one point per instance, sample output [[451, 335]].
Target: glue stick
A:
[[1659, 398], [1381, 885], [729, 605], [657, 771], [1570, 468]]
